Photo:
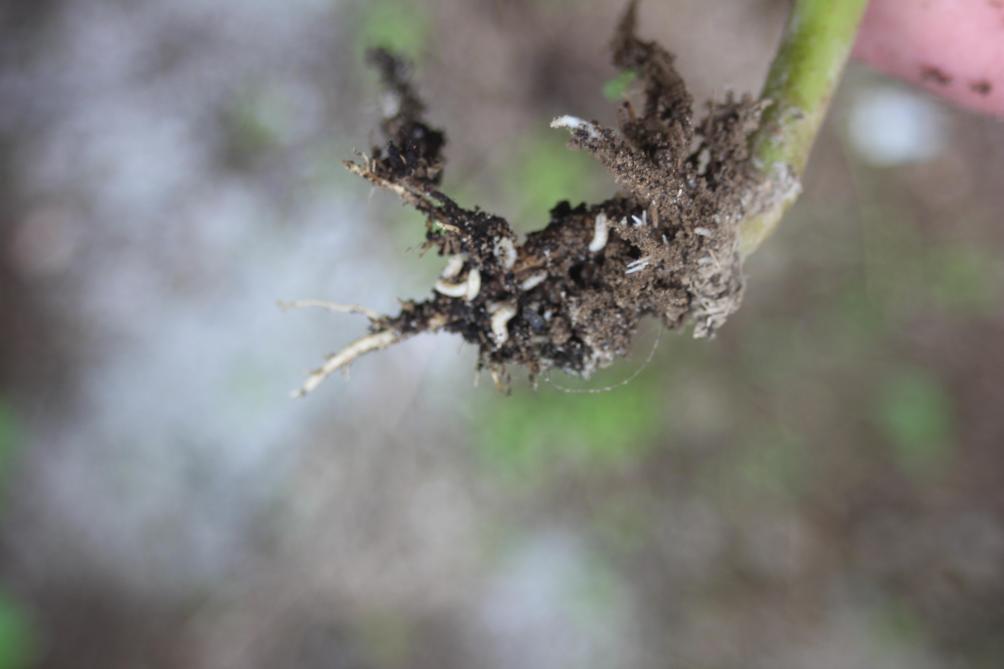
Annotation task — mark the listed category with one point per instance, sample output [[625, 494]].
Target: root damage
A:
[[571, 295]]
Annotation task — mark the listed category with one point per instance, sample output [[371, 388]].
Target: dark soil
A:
[[572, 295]]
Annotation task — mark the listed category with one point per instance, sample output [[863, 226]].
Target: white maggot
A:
[[501, 315], [532, 281], [444, 287], [505, 251], [575, 123], [600, 234], [453, 266], [467, 289], [473, 284]]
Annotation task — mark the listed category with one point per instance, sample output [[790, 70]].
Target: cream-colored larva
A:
[[473, 284], [502, 313], [453, 266], [467, 289], [575, 123], [600, 234], [444, 287], [532, 281], [505, 251], [703, 159]]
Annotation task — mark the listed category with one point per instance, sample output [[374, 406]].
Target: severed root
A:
[[571, 295]]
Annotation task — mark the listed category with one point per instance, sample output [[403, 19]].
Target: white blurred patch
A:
[[177, 432], [552, 605], [889, 125]]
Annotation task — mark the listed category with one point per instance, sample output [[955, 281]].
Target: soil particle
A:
[[572, 294]]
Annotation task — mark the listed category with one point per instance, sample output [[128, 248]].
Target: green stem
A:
[[816, 44]]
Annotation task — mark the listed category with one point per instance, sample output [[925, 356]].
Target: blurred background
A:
[[820, 486]]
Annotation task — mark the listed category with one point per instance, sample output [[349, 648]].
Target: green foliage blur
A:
[[541, 171], [16, 636], [533, 436], [400, 26]]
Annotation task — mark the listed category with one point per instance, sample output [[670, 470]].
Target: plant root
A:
[[372, 342], [287, 305], [571, 296]]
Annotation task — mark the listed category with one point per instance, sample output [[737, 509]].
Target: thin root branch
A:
[[336, 307], [371, 342]]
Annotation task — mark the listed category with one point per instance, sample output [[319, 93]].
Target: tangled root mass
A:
[[571, 296]]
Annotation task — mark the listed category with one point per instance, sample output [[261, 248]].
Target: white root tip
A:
[[637, 265]]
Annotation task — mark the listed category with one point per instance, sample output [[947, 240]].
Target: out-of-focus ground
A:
[[820, 486]]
